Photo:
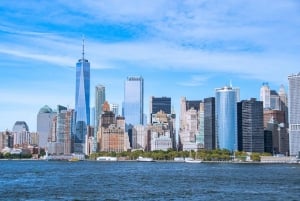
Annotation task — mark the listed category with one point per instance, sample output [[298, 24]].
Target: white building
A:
[[294, 114]]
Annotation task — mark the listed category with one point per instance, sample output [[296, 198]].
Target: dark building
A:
[[107, 117], [193, 104], [250, 126], [209, 123], [160, 104], [280, 137], [268, 141]]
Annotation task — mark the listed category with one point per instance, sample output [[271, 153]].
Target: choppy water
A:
[[50, 180]]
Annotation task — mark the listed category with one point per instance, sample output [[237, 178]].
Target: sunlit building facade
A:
[[133, 101], [226, 117], [294, 114]]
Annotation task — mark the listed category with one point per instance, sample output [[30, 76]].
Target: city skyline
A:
[[179, 48]]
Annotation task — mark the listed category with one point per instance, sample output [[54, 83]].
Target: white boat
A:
[[146, 159], [178, 159], [106, 158], [191, 160]]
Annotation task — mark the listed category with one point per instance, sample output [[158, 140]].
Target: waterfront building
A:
[[280, 137], [6, 140], [294, 114], [82, 102], [189, 122], [250, 126], [268, 142], [62, 136], [21, 135], [111, 133], [133, 101], [44, 124], [161, 133], [209, 124], [226, 117], [99, 101], [139, 137]]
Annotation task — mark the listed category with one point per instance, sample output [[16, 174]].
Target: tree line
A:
[[205, 155]]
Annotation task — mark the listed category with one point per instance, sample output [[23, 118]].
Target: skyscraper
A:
[[159, 104], [44, 124], [99, 100], [294, 113], [133, 101], [226, 117], [250, 126], [265, 95], [82, 101], [209, 123]]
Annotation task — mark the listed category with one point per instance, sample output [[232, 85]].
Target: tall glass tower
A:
[[133, 101], [294, 113], [99, 100], [226, 117], [82, 101]]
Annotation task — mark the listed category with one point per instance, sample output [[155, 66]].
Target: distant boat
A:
[[191, 160], [73, 160], [179, 159], [146, 159], [106, 158]]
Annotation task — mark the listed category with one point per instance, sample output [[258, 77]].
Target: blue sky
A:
[[181, 48]]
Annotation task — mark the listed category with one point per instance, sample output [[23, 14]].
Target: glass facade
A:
[[226, 118], [82, 100], [134, 101], [294, 113], [99, 100]]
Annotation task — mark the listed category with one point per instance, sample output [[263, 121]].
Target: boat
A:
[[73, 160], [191, 160], [144, 159], [178, 159], [106, 158]]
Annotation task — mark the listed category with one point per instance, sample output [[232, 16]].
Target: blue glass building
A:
[[226, 117], [133, 101], [82, 101]]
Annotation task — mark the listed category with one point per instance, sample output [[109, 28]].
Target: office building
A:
[[250, 126], [111, 133], [265, 95], [190, 135], [82, 102], [62, 135], [133, 101], [159, 104], [139, 137], [294, 114], [209, 124], [99, 101], [226, 117], [44, 124]]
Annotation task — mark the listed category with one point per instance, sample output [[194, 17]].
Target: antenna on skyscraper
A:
[[230, 83], [82, 47]]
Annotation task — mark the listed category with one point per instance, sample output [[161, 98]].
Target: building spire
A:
[[82, 48]]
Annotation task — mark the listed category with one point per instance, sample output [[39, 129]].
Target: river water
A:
[[92, 180]]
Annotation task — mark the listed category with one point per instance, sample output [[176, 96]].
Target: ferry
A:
[[106, 158], [144, 159]]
